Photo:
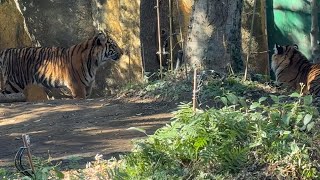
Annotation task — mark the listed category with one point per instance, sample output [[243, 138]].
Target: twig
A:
[[261, 52], [250, 41]]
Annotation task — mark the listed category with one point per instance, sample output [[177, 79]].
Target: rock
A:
[[35, 93], [12, 30]]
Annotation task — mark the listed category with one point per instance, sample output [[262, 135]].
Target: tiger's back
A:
[[73, 67], [291, 68], [23, 66]]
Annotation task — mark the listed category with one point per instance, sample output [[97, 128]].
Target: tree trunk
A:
[[214, 37], [314, 32]]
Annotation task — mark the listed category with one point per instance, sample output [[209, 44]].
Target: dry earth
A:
[[73, 129]]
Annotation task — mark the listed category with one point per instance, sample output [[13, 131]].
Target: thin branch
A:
[[250, 41]]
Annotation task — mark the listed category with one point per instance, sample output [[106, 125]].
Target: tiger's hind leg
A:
[[9, 88], [314, 87]]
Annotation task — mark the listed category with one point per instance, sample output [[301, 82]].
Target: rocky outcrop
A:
[[13, 31]]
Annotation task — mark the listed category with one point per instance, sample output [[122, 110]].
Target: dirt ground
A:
[[78, 129]]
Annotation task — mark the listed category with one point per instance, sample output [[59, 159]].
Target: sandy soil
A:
[[69, 130]]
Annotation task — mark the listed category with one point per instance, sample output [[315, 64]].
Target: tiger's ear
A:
[[277, 49], [101, 39], [296, 46]]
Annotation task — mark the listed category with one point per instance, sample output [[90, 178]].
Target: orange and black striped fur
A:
[[291, 68], [74, 67]]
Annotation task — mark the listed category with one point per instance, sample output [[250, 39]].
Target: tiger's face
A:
[[281, 54], [108, 49], [290, 66]]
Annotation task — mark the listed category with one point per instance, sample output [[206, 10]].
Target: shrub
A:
[[272, 137]]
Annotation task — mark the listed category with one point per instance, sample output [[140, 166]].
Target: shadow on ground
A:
[[71, 130]]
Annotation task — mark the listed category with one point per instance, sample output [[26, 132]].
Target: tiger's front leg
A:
[[88, 90], [78, 90]]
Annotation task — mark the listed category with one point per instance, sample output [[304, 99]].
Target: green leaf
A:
[[299, 118], [138, 129], [286, 119], [315, 112], [224, 101], [295, 94], [255, 105], [26, 178], [310, 126], [286, 132], [243, 103], [275, 99], [303, 128], [59, 174], [232, 98], [200, 142], [307, 100], [255, 144], [294, 148], [262, 99], [307, 119]]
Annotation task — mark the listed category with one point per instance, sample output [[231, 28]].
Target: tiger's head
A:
[[283, 55], [281, 50], [287, 64], [106, 49]]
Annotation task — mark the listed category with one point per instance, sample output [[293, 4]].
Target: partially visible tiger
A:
[[74, 67], [291, 68]]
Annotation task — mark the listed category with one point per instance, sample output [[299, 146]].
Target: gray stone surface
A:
[[58, 22]]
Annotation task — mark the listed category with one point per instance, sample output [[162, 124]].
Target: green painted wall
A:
[[289, 22]]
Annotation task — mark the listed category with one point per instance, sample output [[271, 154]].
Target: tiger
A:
[[291, 67], [74, 67]]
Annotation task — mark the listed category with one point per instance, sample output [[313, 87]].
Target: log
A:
[[9, 98]]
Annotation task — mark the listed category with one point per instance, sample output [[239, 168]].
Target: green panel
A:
[[289, 22]]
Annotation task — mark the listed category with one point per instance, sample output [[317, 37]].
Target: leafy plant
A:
[[275, 132]]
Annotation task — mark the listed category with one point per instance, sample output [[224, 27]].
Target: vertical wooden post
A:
[[194, 96], [159, 38], [170, 35], [265, 32], [250, 42], [26, 143], [143, 63]]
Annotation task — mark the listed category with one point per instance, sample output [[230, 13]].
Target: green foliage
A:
[[169, 88], [275, 132], [44, 169], [246, 136]]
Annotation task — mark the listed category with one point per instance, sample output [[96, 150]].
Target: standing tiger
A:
[[291, 68], [74, 67]]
